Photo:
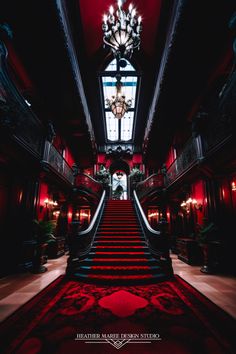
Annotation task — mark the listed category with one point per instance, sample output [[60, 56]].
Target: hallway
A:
[[17, 289]]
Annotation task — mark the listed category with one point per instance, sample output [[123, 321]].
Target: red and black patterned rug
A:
[[71, 317]]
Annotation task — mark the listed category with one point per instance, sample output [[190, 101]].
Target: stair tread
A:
[[119, 241], [121, 237], [118, 277], [120, 260], [122, 246], [120, 267]]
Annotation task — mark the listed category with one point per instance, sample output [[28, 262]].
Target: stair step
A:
[[123, 213], [124, 242], [140, 247], [117, 233], [121, 210], [119, 222], [119, 279], [118, 270], [118, 254], [121, 231], [139, 261], [118, 217], [116, 223], [119, 227], [124, 237], [121, 267]]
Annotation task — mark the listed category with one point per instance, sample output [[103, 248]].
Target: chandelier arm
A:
[[115, 37], [109, 44]]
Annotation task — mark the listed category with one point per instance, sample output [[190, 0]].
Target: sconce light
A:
[[196, 205], [48, 202], [153, 214], [186, 205], [233, 186]]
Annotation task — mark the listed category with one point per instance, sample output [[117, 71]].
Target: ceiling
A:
[[59, 43]]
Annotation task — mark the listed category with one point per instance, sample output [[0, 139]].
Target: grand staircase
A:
[[119, 254]]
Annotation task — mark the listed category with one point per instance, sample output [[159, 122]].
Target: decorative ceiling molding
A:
[[65, 26], [176, 13]]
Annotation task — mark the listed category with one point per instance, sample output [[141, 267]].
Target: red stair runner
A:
[[119, 254]]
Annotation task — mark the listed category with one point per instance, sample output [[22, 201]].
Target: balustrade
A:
[[150, 184], [16, 117], [191, 153], [56, 161], [88, 183]]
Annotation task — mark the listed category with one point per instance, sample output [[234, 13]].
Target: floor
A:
[[17, 289]]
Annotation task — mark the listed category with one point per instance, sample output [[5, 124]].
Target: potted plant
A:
[[103, 176], [43, 234], [207, 237], [136, 176]]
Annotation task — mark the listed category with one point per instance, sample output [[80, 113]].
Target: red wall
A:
[[68, 157], [59, 145], [170, 157], [198, 193], [102, 159]]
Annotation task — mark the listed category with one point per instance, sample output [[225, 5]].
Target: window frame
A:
[[123, 73]]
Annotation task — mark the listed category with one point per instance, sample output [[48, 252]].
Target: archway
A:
[[119, 171], [119, 185]]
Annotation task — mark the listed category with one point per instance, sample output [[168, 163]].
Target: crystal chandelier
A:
[[122, 30], [117, 103]]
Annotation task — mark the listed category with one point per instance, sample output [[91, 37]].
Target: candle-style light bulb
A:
[[105, 18], [139, 20], [130, 7], [111, 10], [133, 12], [119, 3]]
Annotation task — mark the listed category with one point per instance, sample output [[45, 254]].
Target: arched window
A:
[[119, 129]]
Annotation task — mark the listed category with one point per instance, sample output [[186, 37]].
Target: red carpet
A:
[[119, 254], [169, 317]]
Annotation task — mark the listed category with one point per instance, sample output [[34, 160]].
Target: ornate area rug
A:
[[71, 317]]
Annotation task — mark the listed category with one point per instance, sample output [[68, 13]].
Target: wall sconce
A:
[[153, 214], [196, 205], [233, 186], [46, 202], [49, 202], [186, 205]]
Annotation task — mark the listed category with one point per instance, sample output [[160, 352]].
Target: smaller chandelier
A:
[[119, 175], [117, 103], [122, 30]]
